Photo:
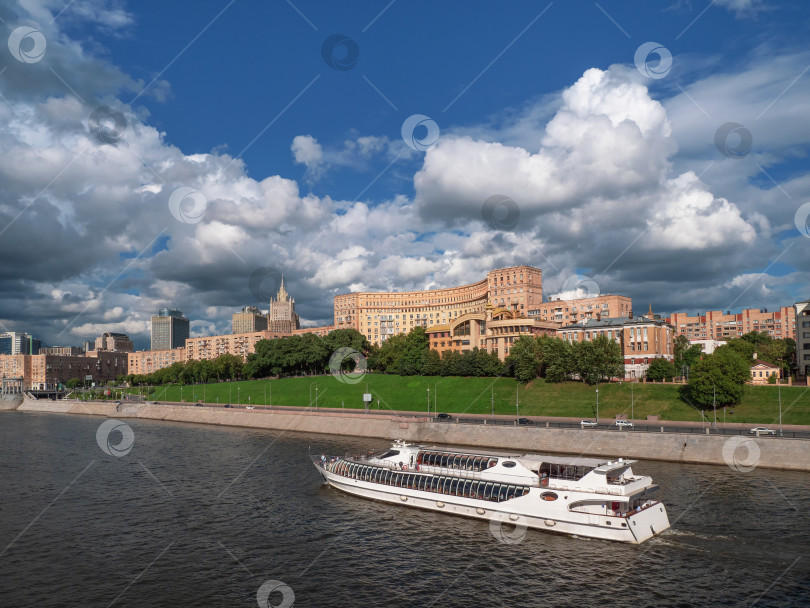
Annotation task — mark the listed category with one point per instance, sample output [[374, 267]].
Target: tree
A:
[[680, 345], [524, 359], [412, 359], [433, 364], [723, 374], [599, 359], [74, 382], [661, 369], [557, 359]]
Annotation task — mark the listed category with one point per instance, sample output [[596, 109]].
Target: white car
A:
[[762, 430], [249, 407], [625, 424], [587, 423]]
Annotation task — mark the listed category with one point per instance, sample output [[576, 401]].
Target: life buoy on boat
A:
[[404, 467], [544, 482]]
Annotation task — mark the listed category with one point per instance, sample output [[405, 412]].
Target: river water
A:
[[205, 516]]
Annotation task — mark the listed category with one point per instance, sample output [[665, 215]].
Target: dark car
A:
[[443, 417], [525, 421], [227, 406], [198, 404]]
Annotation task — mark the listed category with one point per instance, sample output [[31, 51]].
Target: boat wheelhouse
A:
[[571, 495]]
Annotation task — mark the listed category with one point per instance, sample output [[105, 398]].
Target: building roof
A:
[[435, 328], [760, 362], [611, 322]]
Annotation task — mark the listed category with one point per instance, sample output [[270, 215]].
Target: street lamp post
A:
[[517, 403], [239, 395], [597, 406], [492, 398], [428, 398], [181, 394], [316, 396], [714, 403], [632, 402]]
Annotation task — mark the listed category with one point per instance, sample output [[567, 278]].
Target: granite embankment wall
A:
[[779, 453]]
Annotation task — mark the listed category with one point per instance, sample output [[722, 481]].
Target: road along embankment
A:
[[739, 452]]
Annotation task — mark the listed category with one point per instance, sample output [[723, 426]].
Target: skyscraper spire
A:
[[282, 293]]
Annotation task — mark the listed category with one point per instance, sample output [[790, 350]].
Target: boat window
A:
[[454, 487], [525, 491], [467, 486], [477, 463], [443, 460], [492, 462], [548, 496], [388, 475], [390, 453], [487, 491], [446, 485], [466, 463], [508, 463], [422, 483], [411, 481], [430, 458], [510, 493]]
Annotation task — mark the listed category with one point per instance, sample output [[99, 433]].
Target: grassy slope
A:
[[472, 395]]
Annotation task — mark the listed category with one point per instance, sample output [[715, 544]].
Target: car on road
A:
[[625, 424], [198, 405], [249, 407], [525, 421], [762, 430], [227, 405], [443, 417], [585, 424]]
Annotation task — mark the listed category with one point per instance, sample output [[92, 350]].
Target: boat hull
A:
[[528, 511]]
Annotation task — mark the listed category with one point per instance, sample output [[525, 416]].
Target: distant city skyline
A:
[[656, 151]]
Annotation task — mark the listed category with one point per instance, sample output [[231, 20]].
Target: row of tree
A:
[[558, 360]]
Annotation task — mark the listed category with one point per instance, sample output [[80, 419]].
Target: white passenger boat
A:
[[565, 494]]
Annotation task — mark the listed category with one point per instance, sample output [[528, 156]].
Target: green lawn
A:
[[474, 395]]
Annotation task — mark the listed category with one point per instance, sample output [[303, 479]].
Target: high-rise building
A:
[[249, 320], [565, 312], [170, 329], [378, 316], [114, 342], [803, 337], [18, 343], [281, 317], [714, 325]]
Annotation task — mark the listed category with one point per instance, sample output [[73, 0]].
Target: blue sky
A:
[[301, 168]]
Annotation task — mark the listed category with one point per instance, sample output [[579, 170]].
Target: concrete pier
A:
[[767, 452]]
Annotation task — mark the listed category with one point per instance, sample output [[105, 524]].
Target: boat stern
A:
[[648, 522]]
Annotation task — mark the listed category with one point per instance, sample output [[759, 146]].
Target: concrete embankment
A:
[[766, 452]]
